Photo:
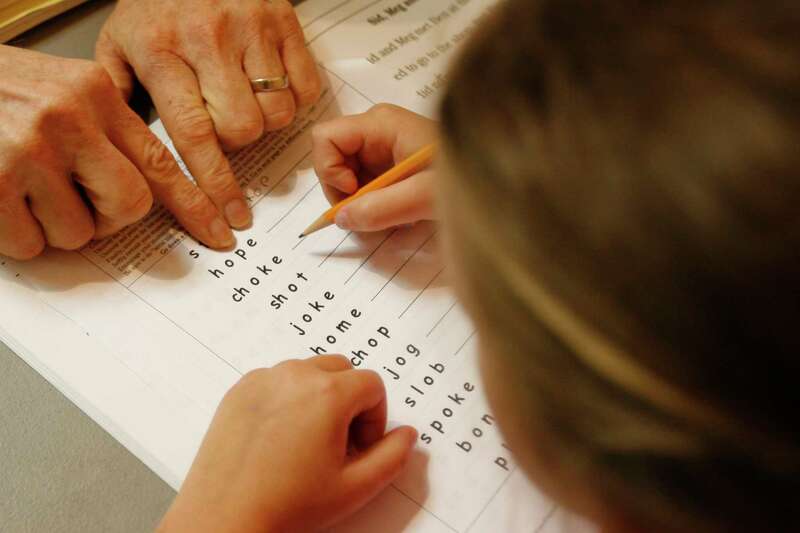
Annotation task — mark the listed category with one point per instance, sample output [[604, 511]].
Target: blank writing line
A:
[[289, 212], [448, 526], [364, 262], [464, 343], [546, 519], [348, 84], [335, 249], [486, 506], [420, 293], [294, 167], [421, 246], [440, 320]]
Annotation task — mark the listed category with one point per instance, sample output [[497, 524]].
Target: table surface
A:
[[59, 471]]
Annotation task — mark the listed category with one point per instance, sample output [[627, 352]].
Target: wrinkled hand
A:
[[76, 163], [294, 448], [349, 152], [195, 58]]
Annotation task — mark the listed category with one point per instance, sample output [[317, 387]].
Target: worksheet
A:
[[146, 330]]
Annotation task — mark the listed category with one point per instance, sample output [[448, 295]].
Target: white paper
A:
[[147, 330]]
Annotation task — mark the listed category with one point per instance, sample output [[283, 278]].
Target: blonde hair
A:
[[625, 210]]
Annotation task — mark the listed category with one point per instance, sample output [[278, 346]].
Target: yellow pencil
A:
[[402, 170]]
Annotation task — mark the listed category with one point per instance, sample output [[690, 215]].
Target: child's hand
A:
[[293, 448], [351, 151]]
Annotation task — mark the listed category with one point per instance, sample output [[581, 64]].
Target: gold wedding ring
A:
[[268, 85]]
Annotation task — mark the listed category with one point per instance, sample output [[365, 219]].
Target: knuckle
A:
[[371, 377], [56, 112], [292, 32], [279, 111], [160, 165], [284, 12], [240, 133], [192, 124], [291, 365], [93, 77], [210, 32], [136, 205], [343, 358], [156, 38], [280, 119], [159, 60], [327, 387], [75, 238], [253, 378], [194, 205], [384, 110], [293, 370], [219, 180], [252, 17], [310, 93]]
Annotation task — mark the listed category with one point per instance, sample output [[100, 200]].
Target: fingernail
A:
[[342, 219], [221, 233], [238, 213]]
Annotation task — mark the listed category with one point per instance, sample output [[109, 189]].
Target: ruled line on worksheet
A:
[[325, 14], [364, 262], [343, 20], [420, 247], [463, 344], [486, 505], [422, 505], [417, 297], [165, 316], [289, 212], [335, 249], [442, 318]]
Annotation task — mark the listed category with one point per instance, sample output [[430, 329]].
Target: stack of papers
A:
[[18, 16]]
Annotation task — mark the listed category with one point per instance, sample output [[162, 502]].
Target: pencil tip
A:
[[320, 223], [302, 236]]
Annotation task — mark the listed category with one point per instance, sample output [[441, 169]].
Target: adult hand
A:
[[76, 163], [296, 447], [351, 151], [196, 59]]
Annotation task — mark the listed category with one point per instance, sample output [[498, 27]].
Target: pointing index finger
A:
[[167, 182], [177, 96]]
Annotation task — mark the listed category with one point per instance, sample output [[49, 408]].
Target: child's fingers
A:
[[335, 148], [342, 177], [369, 426], [365, 403], [378, 466], [406, 202], [333, 195]]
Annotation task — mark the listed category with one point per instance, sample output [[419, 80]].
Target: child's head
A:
[[622, 206]]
